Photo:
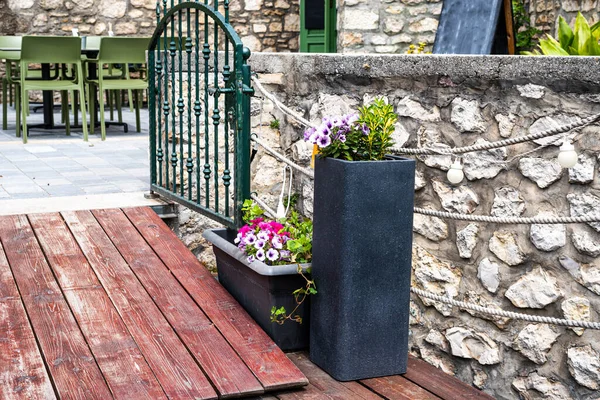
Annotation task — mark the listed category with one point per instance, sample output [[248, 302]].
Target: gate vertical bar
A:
[[157, 115], [166, 101], [197, 110], [216, 116], [242, 151], [226, 78], [151, 105], [190, 161], [172, 50], [180, 106], [206, 55]]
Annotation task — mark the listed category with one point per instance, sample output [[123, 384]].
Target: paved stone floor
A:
[[52, 164]]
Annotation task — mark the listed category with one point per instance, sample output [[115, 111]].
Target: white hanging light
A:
[[567, 156], [455, 173]]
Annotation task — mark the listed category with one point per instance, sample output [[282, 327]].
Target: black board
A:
[[471, 27]]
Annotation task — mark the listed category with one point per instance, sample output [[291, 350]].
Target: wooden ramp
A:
[[111, 304]]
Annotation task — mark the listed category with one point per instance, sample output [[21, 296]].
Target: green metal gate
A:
[[199, 102]]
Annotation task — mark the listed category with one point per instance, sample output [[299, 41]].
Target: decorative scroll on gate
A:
[[199, 101]]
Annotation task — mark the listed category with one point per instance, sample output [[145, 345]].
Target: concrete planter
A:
[[362, 242], [258, 287]]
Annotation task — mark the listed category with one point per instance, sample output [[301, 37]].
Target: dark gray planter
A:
[[258, 287], [362, 241]]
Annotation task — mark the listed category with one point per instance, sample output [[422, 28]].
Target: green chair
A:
[[123, 51], [54, 50]]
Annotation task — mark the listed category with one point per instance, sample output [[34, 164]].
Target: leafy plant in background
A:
[[525, 33], [582, 40], [366, 136], [420, 49], [274, 124]]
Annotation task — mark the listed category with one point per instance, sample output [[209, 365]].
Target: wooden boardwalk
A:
[[111, 304]]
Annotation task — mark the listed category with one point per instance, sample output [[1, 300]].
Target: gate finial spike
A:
[[246, 53]]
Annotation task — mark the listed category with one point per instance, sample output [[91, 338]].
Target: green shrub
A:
[[582, 40]]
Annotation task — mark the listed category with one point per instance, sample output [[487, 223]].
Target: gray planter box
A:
[[362, 245], [258, 287]]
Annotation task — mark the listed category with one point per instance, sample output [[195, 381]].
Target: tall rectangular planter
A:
[[362, 241], [259, 287]]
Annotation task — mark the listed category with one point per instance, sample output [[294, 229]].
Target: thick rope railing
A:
[[507, 314], [283, 158], [449, 215], [268, 210], [506, 220], [431, 150]]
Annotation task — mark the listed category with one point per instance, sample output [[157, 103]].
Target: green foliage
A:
[[274, 124], [251, 211], [280, 315], [525, 33], [380, 119], [420, 49], [292, 201], [366, 139], [582, 40]]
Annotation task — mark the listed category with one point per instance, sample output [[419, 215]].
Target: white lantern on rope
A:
[[455, 173], [567, 156]]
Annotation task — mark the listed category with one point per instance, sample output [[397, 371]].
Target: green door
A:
[[318, 20]]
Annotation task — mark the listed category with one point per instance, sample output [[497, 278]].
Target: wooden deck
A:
[[111, 304]]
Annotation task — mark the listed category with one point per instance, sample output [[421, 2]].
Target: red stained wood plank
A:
[[268, 363], [323, 386], [121, 362], [398, 388], [436, 381], [227, 372], [22, 375], [70, 362], [173, 366]]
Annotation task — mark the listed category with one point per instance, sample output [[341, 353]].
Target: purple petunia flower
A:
[[323, 141], [251, 259], [250, 238], [342, 138], [313, 138], [262, 235], [260, 255], [272, 254], [277, 242], [285, 254], [308, 133], [365, 129], [260, 244]]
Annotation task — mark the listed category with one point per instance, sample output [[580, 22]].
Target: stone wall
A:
[[264, 25], [539, 269], [545, 12], [381, 26]]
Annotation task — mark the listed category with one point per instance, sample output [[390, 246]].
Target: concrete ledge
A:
[[540, 69]]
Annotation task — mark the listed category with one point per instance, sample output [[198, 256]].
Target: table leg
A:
[[48, 100]]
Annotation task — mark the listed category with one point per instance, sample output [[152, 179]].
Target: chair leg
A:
[[18, 111], [102, 123], [24, 106], [92, 108], [4, 105], [82, 102], [119, 106], [83, 114], [74, 108], [109, 97], [131, 98], [137, 110], [10, 94], [65, 110]]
